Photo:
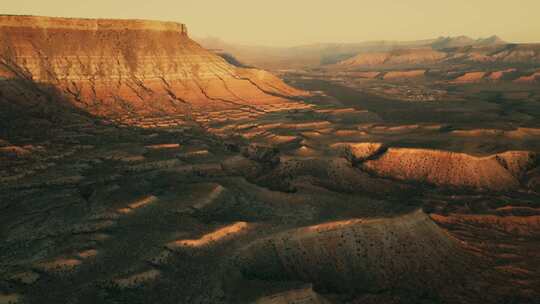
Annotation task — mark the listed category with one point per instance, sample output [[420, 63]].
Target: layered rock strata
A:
[[130, 67]]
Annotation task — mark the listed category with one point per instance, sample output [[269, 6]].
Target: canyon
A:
[[137, 166]]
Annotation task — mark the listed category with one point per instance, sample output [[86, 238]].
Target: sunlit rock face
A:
[[498, 172], [115, 67]]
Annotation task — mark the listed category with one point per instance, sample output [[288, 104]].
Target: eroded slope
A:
[[114, 67], [375, 255]]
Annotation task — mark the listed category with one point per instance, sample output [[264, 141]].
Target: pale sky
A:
[[295, 22]]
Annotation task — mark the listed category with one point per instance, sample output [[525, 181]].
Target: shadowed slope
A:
[[405, 252]]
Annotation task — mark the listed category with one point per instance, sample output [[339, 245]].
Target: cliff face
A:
[[118, 67]]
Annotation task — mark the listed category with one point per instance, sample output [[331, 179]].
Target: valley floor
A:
[[280, 205]]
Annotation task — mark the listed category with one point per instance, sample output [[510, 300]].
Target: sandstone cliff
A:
[[135, 67]]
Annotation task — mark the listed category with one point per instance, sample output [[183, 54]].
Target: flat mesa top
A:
[[89, 24]]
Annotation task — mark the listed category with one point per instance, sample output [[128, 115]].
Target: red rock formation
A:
[[112, 67], [530, 78], [498, 75], [443, 168], [359, 152], [470, 77]]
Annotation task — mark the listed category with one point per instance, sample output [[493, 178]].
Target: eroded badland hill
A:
[[138, 167]]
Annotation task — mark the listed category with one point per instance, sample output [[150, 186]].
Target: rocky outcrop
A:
[[530, 78], [470, 77], [359, 152], [498, 75], [518, 163], [498, 172], [117, 67]]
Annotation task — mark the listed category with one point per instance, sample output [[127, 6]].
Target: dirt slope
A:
[[404, 252], [443, 168]]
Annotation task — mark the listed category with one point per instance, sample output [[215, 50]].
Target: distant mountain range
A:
[[314, 55], [486, 54], [461, 41]]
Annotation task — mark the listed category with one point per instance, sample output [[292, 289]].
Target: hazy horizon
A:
[[281, 23], [346, 42]]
